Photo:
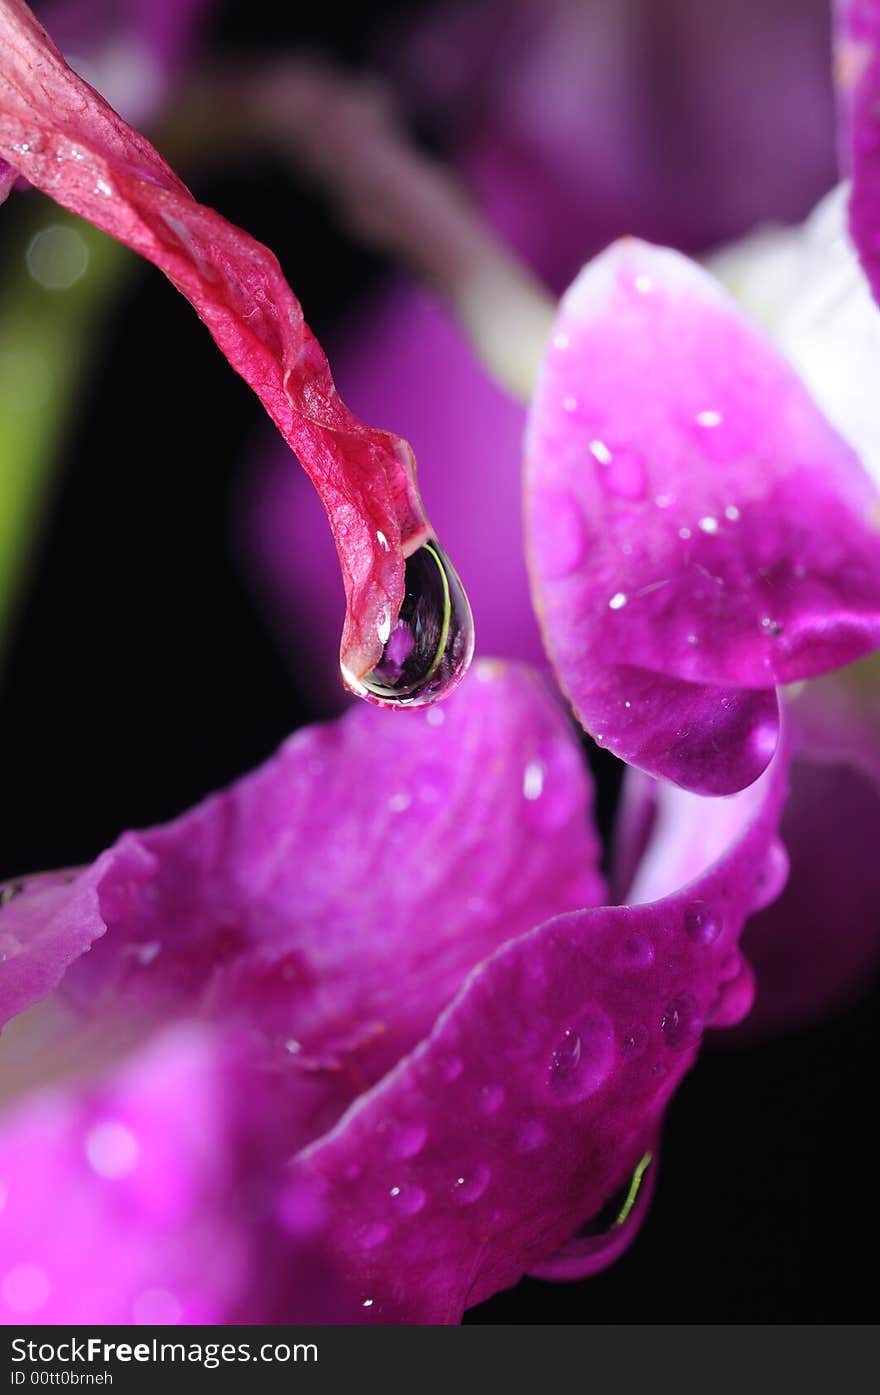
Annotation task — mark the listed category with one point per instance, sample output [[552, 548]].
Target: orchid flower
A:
[[356, 1039]]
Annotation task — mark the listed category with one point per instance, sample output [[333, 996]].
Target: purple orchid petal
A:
[[590, 1251], [333, 901], [142, 1196], [540, 1088], [818, 947], [858, 76], [698, 533]]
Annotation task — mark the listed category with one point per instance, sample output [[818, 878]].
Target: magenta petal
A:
[[156, 1194], [540, 1088], [698, 533], [857, 65], [333, 901], [587, 1253]]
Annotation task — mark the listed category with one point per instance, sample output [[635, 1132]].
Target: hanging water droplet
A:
[[427, 652]]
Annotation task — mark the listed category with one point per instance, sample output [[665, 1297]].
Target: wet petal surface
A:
[[726, 536]]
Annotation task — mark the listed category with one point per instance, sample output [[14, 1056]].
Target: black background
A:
[[141, 674]]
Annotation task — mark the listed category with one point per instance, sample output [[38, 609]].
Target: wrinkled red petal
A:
[[64, 138]]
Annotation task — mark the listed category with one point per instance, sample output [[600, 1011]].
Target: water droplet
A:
[[709, 418], [771, 627], [635, 952], [530, 1135], [709, 524], [367, 1303], [406, 1138], [407, 1200], [700, 924], [681, 1023], [370, 1236], [450, 1068], [622, 472], [490, 1099], [471, 1185], [428, 650], [559, 532], [732, 513], [583, 1058], [618, 601], [684, 533]]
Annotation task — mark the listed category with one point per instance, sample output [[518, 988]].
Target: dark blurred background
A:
[[140, 673]]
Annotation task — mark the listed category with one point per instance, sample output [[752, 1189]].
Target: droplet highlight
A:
[[427, 651], [582, 1059], [701, 924]]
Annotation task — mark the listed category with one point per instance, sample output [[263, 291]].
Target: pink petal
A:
[[57, 132], [857, 69], [152, 1195], [727, 537], [539, 1089], [333, 901]]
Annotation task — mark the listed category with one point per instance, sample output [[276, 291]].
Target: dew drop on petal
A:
[[469, 1187], [635, 952], [407, 1200], [405, 1138], [701, 924], [427, 651], [681, 1023], [582, 1059]]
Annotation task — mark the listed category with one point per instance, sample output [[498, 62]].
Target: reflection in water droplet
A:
[[583, 1058], [700, 924], [635, 952], [407, 1200], [681, 1023], [470, 1186], [428, 650]]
